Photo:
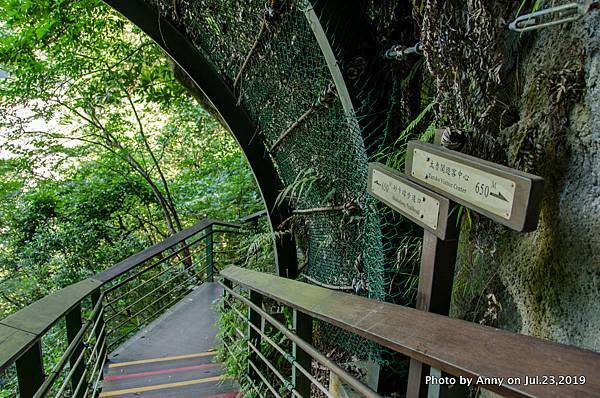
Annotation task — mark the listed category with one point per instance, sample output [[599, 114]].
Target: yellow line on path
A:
[[161, 386], [162, 359]]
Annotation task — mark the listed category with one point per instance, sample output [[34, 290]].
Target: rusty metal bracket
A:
[[399, 52]]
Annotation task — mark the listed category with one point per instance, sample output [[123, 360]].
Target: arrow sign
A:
[[420, 205], [506, 195], [499, 196]]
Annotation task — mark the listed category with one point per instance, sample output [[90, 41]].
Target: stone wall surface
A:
[[545, 283]]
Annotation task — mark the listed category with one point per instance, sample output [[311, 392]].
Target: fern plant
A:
[[536, 6], [398, 156], [302, 184]]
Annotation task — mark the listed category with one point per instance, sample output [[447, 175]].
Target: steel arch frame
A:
[[208, 80]]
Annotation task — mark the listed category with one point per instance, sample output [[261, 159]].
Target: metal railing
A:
[[101, 312], [300, 359], [458, 348]]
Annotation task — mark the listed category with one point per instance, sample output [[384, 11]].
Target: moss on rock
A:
[[544, 121]]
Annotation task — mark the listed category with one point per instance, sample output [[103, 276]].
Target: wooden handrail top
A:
[[37, 318], [455, 346], [19, 331], [13, 342]]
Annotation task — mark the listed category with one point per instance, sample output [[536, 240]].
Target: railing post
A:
[[303, 326], [30, 371], [209, 254], [253, 336], [227, 283], [435, 292], [74, 325]]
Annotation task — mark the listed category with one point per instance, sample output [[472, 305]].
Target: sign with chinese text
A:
[[508, 196], [419, 204]]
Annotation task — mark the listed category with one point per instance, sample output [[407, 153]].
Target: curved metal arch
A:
[[332, 63], [207, 79], [338, 25], [342, 22]]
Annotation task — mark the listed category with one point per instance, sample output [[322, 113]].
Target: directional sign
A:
[[425, 208], [506, 195]]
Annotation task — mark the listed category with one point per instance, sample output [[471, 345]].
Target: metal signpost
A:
[[505, 195]]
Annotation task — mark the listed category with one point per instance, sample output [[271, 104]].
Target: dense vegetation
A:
[[103, 152]]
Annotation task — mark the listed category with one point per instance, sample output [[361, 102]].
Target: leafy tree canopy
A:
[[103, 152]]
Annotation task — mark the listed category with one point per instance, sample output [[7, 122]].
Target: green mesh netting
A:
[[275, 65]]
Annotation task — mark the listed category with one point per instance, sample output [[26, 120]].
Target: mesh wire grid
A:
[[351, 241]]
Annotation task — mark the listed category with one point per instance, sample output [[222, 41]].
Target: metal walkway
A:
[[173, 356]]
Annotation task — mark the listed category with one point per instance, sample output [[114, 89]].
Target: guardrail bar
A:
[[452, 345]]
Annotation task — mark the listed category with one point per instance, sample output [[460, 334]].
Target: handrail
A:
[[254, 217], [70, 350], [145, 255], [173, 254], [23, 329], [455, 346], [37, 318], [354, 383]]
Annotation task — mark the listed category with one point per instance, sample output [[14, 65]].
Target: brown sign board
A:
[[508, 196], [420, 205]]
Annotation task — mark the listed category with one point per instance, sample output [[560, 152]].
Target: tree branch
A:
[[154, 160]]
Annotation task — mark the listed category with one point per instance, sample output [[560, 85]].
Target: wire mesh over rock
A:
[[269, 56]]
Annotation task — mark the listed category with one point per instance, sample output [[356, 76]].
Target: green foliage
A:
[[405, 269], [103, 150], [102, 153], [462, 213], [233, 350], [302, 184], [397, 157], [256, 250], [428, 134], [103, 88], [62, 231], [535, 5], [8, 383]]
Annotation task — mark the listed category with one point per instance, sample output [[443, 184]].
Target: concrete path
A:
[[173, 356]]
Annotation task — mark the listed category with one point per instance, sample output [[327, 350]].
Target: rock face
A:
[[541, 115], [554, 278]]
